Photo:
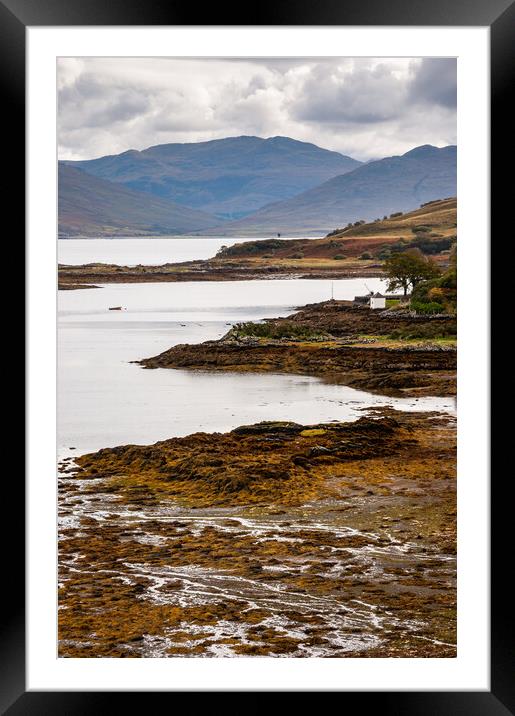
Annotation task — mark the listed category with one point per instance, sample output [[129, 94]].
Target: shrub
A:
[[396, 213], [338, 257], [445, 285], [427, 243], [366, 255], [288, 330], [433, 245], [421, 292], [449, 280], [384, 254], [253, 247], [429, 329], [427, 308], [436, 294]]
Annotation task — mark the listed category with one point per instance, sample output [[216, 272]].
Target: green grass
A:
[[394, 338], [431, 331]]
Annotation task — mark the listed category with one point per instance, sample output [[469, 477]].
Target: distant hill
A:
[[371, 191], [88, 206], [432, 228], [230, 177]]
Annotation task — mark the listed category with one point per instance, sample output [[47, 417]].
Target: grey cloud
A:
[[364, 107], [95, 103], [120, 109], [435, 82], [375, 94], [278, 64], [364, 94]]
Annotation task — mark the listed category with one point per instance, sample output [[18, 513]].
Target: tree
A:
[[408, 268]]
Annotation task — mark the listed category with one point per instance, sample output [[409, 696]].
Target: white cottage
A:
[[377, 300]]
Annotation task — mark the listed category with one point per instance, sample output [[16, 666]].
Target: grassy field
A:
[[430, 226]]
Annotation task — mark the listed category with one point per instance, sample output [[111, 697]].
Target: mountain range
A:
[[276, 185], [229, 178], [371, 191], [89, 206]]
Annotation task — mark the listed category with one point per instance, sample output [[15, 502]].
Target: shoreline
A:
[[355, 251], [325, 540], [335, 341], [334, 539], [82, 276]]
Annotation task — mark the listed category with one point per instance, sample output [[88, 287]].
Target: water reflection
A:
[[105, 400]]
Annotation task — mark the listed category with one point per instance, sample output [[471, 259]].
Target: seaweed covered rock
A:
[[267, 461]]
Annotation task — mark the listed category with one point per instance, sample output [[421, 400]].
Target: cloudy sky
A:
[[364, 107]]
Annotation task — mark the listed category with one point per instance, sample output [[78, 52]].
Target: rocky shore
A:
[[73, 277], [389, 352], [274, 539]]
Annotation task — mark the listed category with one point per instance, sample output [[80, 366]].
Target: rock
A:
[[319, 450]]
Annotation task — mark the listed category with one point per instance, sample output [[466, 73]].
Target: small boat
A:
[[116, 308]]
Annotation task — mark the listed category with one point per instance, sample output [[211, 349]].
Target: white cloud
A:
[[366, 107]]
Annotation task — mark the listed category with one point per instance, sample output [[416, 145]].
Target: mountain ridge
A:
[[89, 206], [397, 183], [369, 191], [230, 177]]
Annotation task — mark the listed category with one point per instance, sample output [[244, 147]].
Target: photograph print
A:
[[257, 291]]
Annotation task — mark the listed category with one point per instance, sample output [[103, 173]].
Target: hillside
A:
[[432, 228], [230, 177], [89, 206], [356, 251], [371, 191]]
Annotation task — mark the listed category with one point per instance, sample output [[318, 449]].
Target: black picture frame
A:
[[499, 15]]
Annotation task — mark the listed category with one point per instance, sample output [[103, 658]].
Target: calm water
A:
[[104, 400], [149, 251]]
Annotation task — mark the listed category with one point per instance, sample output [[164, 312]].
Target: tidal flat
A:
[[278, 539]]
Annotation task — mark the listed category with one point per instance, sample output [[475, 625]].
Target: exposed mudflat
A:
[[331, 540]]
